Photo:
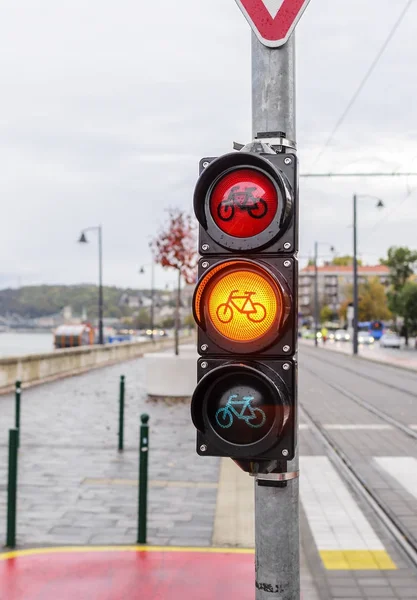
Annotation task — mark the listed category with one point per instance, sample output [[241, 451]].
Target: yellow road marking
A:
[[357, 560], [152, 483], [69, 549]]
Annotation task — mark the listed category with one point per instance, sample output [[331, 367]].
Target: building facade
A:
[[334, 283]]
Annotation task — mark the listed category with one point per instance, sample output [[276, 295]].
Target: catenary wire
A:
[[363, 82]]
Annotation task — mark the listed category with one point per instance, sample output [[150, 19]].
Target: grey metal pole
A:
[[152, 297], [100, 287], [273, 88], [316, 295], [276, 508], [355, 277], [177, 314]]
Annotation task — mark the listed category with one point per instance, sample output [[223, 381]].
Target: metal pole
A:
[[355, 277], [152, 297], [276, 508], [177, 314], [100, 287], [143, 479], [121, 412], [316, 295], [273, 88], [12, 489], [18, 391]]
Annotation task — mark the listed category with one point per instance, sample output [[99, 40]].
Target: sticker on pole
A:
[[273, 21]]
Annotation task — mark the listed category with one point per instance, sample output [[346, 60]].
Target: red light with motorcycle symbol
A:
[[244, 203]]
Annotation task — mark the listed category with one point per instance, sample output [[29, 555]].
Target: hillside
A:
[[44, 300]]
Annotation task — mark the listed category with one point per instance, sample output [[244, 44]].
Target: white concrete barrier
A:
[[170, 376], [39, 368]]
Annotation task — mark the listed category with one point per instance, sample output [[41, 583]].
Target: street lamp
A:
[[152, 311], [83, 240], [316, 288], [380, 204]]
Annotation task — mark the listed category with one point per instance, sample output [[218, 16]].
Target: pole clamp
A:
[[277, 476], [278, 142]]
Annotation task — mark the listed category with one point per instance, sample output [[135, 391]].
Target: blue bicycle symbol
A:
[[254, 417]]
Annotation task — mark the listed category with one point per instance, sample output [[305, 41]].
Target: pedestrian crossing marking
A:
[[402, 468], [343, 535], [356, 427]]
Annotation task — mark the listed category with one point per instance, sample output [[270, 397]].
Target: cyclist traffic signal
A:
[[244, 405]]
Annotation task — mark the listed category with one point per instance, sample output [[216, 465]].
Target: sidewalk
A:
[[75, 488]]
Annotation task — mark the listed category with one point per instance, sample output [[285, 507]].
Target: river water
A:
[[19, 344]]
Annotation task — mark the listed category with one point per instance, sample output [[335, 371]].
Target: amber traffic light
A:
[[242, 306], [245, 306]]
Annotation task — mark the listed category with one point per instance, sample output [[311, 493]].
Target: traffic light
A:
[[245, 306]]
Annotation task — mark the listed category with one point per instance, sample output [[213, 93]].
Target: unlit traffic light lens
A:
[[241, 408], [243, 203]]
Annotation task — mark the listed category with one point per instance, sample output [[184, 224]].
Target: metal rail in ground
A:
[[369, 377], [366, 405], [342, 463]]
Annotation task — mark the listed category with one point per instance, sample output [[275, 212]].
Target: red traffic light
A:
[[244, 202]]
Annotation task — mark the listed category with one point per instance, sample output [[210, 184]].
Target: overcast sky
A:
[[106, 108]]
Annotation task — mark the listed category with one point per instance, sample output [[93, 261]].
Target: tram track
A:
[[340, 460], [368, 377], [361, 401]]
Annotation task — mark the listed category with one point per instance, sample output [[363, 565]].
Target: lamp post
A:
[[380, 204], [152, 309], [316, 289], [83, 240]]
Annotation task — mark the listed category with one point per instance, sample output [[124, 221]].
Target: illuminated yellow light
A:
[[243, 305]]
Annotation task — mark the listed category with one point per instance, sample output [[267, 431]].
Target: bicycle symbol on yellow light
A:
[[254, 417], [255, 311]]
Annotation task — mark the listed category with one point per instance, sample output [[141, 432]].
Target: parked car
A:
[[308, 334], [341, 335], [365, 338], [390, 340]]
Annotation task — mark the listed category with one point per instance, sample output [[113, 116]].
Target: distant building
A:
[[333, 284], [130, 300]]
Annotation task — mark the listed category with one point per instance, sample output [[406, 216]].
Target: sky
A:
[[106, 108]]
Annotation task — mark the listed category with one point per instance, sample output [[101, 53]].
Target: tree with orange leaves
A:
[[176, 247]]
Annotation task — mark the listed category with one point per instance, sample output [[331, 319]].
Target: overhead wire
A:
[[363, 82]]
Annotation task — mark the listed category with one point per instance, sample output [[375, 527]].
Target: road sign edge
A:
[[264, 41]]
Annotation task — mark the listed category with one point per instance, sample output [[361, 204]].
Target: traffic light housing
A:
[[245, 306], [270, 227]]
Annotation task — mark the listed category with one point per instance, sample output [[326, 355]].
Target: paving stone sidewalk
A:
[[76, 488]]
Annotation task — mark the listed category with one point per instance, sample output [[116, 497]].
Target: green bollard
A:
[[121, 412], [143, 479], [12, 489], [18, 391]]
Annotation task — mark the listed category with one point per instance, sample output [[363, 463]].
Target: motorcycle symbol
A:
[[243, 200]]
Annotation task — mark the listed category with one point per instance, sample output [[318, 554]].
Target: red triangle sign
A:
[[273, 21]]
